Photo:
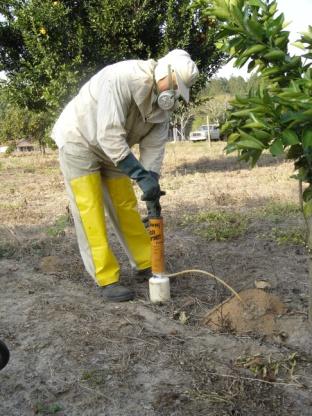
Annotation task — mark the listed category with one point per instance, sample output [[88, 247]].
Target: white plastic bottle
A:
[[159, 288]]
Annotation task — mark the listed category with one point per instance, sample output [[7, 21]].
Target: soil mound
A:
[[51, 264], [258, 312]]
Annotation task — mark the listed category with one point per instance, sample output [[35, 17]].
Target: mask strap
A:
[[170, 78]]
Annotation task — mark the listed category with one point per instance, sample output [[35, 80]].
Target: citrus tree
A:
[[278, 115], [49, 48]]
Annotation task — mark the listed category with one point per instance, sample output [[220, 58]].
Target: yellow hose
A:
[[207, 274]]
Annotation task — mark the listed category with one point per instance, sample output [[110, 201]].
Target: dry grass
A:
[[200, 177], [194, 176], [32, 189]]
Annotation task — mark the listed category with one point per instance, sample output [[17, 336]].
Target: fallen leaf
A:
[[262, 284], [183, 318]]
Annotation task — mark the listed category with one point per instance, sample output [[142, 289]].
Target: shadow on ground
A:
[[223, 164]]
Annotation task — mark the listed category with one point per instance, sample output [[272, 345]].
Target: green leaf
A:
[[262, 135], [257, 3], [233, 137], [225, 127], [289, 137], [292, 116], [254, 49], [255, 155], [307, 194], [299, 45], [253, 125], [292, 95], [307, 36], [281, 41], [271, 71], [238, 16], [277, 147], [275, 55], [241, 113], [240, 100], [255, 29], [307, 138], [230, 147], [294, 62], [249, 142], [307, 209], [239, 62], [221, 13], [251, 155], [273, 8]]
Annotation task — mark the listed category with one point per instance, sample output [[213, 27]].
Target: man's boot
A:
[[117, 293], [4, 355], [143, 275]]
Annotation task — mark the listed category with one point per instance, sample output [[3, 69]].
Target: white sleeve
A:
[[113, 105], [152, 147]]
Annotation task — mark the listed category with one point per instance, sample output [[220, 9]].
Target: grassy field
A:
[[194, 176], [73, 354]]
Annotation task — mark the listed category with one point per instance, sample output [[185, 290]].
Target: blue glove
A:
[[144, 178]]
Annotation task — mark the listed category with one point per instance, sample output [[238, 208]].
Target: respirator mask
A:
[[166, 99]]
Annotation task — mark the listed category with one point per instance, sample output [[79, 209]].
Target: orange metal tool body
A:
[[156, 229]]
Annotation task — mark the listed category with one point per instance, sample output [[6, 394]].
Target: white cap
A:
[[184, 68]]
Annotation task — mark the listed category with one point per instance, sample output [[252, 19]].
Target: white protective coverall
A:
[[113, 111]]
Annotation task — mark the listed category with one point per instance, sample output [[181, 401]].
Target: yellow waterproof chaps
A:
[[89, 193]]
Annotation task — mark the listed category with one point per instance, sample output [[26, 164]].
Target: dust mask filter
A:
[[166, 99]]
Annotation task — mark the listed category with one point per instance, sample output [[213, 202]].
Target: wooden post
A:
[[307, 212], [208, 125]]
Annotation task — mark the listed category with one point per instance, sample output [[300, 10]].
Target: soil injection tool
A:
[[159, 284], [4, 355]]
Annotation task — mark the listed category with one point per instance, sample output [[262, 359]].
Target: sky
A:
[[298, 13]]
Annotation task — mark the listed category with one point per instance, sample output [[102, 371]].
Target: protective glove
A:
[[144, 178], [153, 210], [154, 207]]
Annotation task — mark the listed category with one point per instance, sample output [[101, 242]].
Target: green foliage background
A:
[[48, 49]]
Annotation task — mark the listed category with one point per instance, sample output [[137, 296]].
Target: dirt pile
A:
[[257, 312], [50, 264]]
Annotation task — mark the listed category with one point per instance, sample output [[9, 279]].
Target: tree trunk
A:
[[208, 126], [182, 127], [175, 134], [308, 218]]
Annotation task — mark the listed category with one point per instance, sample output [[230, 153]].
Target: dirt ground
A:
[[74, 354]]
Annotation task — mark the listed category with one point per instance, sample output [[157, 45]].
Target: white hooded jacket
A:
[[113, 111]]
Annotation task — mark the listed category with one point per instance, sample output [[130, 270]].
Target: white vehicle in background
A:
[[202, 133]]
